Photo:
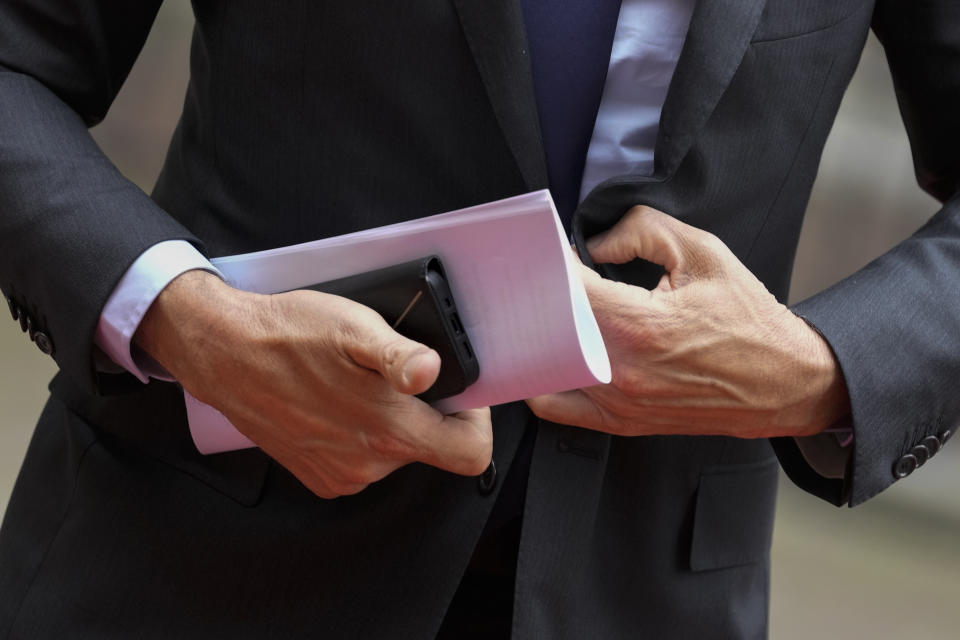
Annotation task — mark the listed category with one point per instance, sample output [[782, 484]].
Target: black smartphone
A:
[[415, 299]]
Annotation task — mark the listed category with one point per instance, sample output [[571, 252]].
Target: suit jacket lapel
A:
[[718, 38], [497, 38], [719, 34]]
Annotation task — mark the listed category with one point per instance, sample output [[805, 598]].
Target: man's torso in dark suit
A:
[[306, 120]]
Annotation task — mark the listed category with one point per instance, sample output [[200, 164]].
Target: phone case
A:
[[415, 299]]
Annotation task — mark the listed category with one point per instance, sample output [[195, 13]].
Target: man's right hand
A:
[[322, 384]]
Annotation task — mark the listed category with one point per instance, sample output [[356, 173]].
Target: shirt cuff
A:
[[138, 288], [828, 452]]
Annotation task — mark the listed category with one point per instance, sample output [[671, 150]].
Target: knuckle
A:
[[484, 454], [355, 489], [321, 490], [344, 330], [479, 458], [641, 211], [709, 244], [352, 323], [477, 464], [345, 339], [318, 481], [668, 224], [360, 473], [347, 488], [392, 354]]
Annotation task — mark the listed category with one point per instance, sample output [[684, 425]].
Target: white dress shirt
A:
[[646, 47]]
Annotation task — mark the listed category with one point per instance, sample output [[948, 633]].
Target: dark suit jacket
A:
[[308, 119]]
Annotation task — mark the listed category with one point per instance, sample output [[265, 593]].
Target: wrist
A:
[[826, 399], [189, 310]]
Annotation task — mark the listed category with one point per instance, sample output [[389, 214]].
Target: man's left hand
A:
[[709, 351]]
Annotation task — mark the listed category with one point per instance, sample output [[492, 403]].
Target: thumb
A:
[[414, 370], [408, 366]]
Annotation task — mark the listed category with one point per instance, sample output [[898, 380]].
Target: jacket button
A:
[[487, 480], [945, 436], [921, 453], [43, 342], [932, 443], [904, 466]]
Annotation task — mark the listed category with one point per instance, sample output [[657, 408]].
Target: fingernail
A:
[[411, 366]]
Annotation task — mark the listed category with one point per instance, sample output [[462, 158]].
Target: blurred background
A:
[[887, 569]]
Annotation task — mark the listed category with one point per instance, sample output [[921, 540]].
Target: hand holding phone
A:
[[415, 299]]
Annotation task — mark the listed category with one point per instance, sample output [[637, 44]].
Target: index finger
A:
[[461, 443], [642, 232]]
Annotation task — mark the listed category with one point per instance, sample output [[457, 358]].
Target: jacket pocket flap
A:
[[733, 518]]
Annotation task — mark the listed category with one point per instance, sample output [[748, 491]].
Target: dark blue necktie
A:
[[570, 43]]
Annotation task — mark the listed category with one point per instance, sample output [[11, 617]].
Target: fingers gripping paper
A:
[[511, 272]]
